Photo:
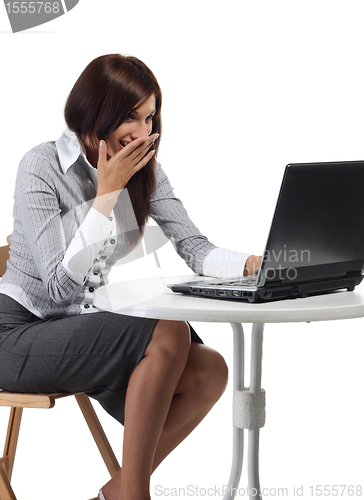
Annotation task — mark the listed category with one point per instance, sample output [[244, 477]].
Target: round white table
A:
[[152, 298]]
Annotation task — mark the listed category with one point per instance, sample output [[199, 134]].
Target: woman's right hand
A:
[[252, 265], [115, 172]]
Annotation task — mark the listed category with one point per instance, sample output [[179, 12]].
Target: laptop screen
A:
[[317, 227]]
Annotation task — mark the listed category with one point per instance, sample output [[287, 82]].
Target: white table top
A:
[[151, 298]]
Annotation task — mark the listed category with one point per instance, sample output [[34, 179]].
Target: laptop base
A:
[[269, 293]]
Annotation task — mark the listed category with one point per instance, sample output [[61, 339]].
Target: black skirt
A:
[[92, 353]]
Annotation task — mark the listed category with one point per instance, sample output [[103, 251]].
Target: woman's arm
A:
[[56, 238], [171, 216], [198, 252], [66, 221]]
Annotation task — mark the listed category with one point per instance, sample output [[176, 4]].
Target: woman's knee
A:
[[171, 340], [206, 373], [215, 374]]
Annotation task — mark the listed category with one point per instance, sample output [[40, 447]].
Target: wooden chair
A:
[[17, 402]]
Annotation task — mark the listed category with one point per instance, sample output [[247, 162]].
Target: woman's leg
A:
[[170, 392], [149, 395], [201, 386]]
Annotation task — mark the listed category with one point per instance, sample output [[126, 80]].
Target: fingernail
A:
[[101, 143]]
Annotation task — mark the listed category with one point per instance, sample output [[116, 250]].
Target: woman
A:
[[81, 204]]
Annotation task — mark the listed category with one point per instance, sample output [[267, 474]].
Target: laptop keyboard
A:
[[248, 282]]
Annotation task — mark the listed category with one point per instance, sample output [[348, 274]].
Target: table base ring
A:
[[249, 409]]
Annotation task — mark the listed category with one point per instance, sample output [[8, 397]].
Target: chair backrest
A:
[[4, 255]]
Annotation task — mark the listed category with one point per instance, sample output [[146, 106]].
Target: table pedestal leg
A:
[[249, 411], [238, 434], [256, 389]]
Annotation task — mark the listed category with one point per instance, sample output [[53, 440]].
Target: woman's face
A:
[[138, 124]]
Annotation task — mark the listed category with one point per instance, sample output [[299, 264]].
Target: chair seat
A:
[[19, 400]]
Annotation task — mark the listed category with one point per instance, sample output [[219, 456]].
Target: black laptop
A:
[[316, 240]]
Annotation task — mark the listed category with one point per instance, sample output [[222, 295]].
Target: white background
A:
[[248, 87]]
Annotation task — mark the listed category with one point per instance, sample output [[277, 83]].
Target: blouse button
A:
[[91, 289], [96, 273], [110, 218], [112, 242], [86, 306]]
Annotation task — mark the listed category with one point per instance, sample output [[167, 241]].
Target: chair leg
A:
[[6, 491], [11, 441], [98, 433]]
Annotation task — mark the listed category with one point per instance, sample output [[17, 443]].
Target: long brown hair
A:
[[105, 94]]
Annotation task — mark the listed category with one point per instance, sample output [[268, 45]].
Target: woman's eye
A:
[[149, 119]]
